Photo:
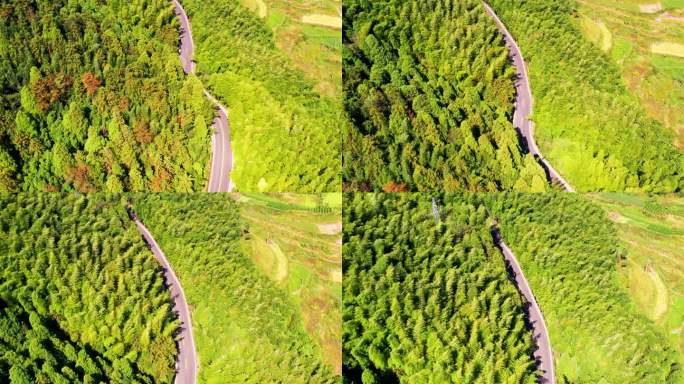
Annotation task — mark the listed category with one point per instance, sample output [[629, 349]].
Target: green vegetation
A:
[[588, 125], [284, 134], [315, 50], [652, 230], [657, 81], [427, 302], [246, 329], [93, 97], [571, 255], [429, 94], [81, 298], [299, 248]]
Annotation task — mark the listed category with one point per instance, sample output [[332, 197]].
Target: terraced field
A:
[[652, 231], [647, 41], [309, 31], [296, 240]]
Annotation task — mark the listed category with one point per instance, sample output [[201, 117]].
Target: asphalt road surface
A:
[[540, 335], [186, 362], [524, 102], [222, 153]]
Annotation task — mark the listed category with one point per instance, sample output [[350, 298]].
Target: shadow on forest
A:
[[353, 376]]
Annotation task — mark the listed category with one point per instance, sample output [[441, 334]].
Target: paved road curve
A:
[[222, 154], [524, 102], [186, 362], [540, 334]]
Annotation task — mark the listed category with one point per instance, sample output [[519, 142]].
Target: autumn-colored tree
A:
[[395, 187], [79, 176], [160, 180], [49, 89], [124, 102], [142, 132], [90, 82]]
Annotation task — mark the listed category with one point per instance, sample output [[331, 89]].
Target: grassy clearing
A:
[[286, 243], [670, 66], [673, 4], [652, 230], [597, 32], [257, 6]]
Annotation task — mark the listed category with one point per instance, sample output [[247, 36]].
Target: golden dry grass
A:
[[668, 49], [323, 20]]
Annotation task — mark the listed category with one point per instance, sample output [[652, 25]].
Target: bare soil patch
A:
[[651, 8], [330, 229]]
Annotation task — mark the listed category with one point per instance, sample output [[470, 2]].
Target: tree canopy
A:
[[428, 92]]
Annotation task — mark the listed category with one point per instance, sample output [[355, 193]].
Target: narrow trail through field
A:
[[186, 361], [540, 334], [281, 261], [524, 102], [222, 153], [662, 296]]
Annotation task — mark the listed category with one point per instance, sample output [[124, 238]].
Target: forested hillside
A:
[[428, 302], [93, 97], [81, 298], [588, 125], [570, 254], [285, 136], [246, 329], [429, 94]]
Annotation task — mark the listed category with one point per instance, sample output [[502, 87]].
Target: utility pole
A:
[[435, 210]]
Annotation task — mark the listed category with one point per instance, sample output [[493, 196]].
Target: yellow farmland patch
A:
[[668, 49], [323, 20]]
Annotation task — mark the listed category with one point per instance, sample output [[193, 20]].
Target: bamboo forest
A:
[[588, 124], [94, 98], [429, 93], [81, 298], [426, 296]]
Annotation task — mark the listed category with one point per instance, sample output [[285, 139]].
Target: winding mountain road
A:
[[524, 102], [222, 153], [186, 361], [540, 334]]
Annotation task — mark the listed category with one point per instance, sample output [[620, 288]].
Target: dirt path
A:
[[540, 334], [524, 102], [222, 153], [186, 361]]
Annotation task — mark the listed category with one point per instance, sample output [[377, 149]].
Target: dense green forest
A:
[[428, 90], [570, 253], [285, 136], [428, 302], [246, 329], [588, 125], [81, 298], [93, 97]]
